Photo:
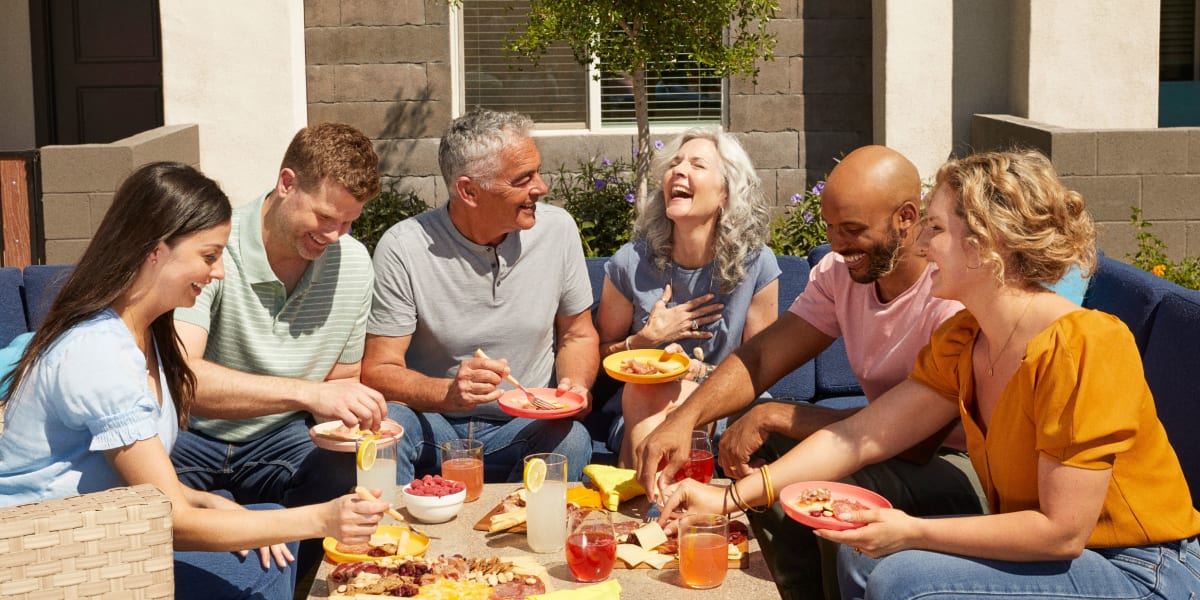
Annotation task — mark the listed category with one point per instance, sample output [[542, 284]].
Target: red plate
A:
[[839, 491], [514, 403], [389, 428]]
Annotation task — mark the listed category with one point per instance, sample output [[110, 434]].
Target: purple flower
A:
[[808, 216], [635, 152], [795, 198], [630, 197], [817, 189], [600, 184], [658, 145], [606, 162]]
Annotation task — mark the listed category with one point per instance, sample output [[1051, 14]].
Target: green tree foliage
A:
[[641, 37], [599, 194], [386, 209]]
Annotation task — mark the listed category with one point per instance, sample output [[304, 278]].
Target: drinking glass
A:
[[547, 508], [703, 550], [700, 463], [591, 545], [462, 460], [382, 474]]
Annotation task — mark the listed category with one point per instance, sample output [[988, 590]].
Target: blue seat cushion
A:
[[12, 312], [41, 284], [1172, 355]]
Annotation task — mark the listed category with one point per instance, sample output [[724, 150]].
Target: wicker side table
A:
[[111, 544]]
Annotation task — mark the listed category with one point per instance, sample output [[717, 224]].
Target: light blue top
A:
[[635, 276], [86, 394]]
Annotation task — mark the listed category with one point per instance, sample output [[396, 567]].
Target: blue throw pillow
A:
[[1071, 286], [9, 355]]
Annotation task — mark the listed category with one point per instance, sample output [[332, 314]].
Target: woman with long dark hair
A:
[[101, 391]]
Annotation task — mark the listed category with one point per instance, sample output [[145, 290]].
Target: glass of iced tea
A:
[[700, 464], [703, 550], [591, 545], [462, 460]]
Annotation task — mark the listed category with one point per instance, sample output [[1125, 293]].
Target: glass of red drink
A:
[[462, 460], [700, 464], [703, 550], [591, 545]]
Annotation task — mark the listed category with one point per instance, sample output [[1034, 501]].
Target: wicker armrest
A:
[[111, 544]]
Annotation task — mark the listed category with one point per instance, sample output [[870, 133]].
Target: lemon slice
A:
[[535, 475], [366, 454]]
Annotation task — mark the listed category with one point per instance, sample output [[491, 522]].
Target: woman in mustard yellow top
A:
[[1087, 496]]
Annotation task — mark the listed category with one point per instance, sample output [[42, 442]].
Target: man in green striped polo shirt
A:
[[278, 344]]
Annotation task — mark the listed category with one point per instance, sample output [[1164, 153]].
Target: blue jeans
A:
[[505, 443], [1170, 571], [283, 467], [226, 576]]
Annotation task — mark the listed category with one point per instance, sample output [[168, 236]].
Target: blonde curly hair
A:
[[1028, 226]]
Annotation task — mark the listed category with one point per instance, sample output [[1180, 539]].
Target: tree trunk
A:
[[641, 111]]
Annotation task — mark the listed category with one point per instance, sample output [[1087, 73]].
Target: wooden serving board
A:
[[741, 563], [484, 523]]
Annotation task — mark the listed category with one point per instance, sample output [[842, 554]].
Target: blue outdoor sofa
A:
[[1164, 319]]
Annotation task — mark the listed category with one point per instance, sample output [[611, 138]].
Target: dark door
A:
[[101, 69]]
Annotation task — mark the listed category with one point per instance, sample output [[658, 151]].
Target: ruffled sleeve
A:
[[1091, 391], [940, 365], [102, 388]]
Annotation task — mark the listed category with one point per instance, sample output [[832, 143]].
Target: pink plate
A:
[[514, 403], [389, 429], [790, 495]]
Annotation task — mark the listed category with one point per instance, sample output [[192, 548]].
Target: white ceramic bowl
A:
[[432, 509]]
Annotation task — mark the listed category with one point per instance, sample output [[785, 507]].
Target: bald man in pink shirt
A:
[[872, 291]]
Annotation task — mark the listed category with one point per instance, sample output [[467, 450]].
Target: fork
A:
[[537, 402]]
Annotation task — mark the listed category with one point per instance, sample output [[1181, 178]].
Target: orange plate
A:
[[514, 403], [840, 491], [417, 544], [612, 365]]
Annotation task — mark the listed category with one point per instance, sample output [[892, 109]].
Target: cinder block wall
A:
[[78, 182], [384, 67], [1157, 170]]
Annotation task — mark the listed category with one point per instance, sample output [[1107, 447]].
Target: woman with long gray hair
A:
[[697, 278]]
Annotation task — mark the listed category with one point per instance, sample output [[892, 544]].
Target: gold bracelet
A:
[[742, 504], [766, 475]]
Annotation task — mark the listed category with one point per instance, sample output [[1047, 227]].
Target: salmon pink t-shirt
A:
[[882, 339]]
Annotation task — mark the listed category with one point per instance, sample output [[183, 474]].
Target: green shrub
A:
[[601, 197], [386, 209], [800, 228], [1151, 256]]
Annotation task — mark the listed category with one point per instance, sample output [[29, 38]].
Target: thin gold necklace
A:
[[1000, 354]]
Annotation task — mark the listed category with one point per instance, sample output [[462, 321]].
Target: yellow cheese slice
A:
[[657, 560], [650, 535], [609, 590], [632, 554], [616, 485]]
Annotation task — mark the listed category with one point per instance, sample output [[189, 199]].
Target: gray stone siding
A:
[[1156, 170], [384, 67], [78, 182]]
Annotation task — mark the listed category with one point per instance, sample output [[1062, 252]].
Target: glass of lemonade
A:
[[547, 505], [703, 550], [381, 472], [462, 460]]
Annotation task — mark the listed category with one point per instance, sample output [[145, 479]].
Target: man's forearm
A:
[[800, 420], [225, 393], [726, 391], [406, 386], [579, 361]]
